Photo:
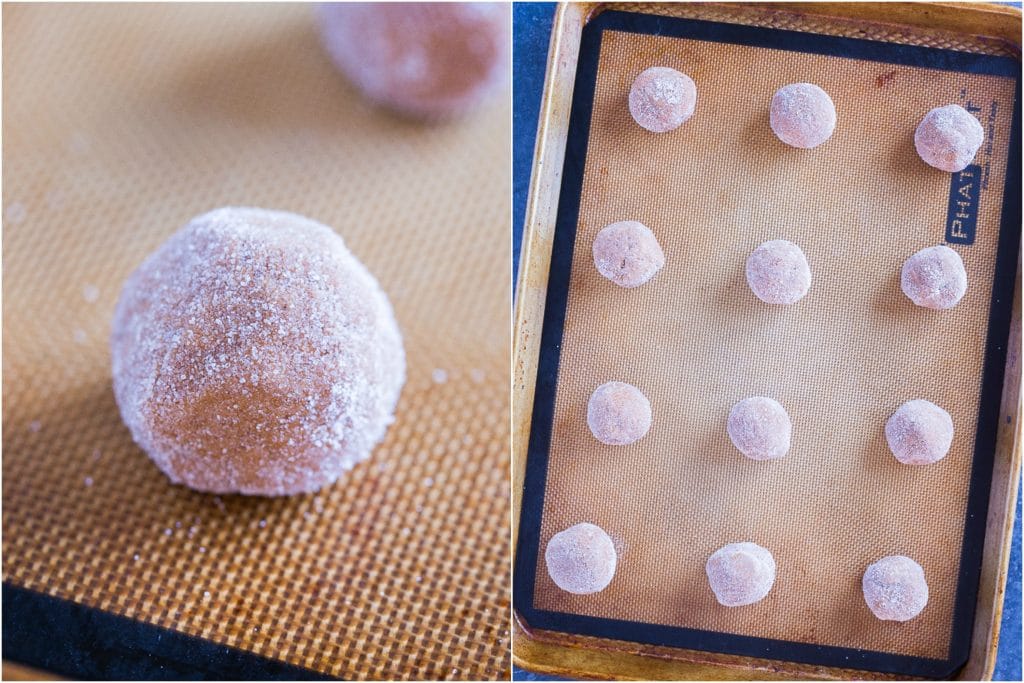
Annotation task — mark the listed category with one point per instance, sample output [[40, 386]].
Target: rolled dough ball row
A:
[[935, 277], [802, 115], [778, 273], [619, 414], [661, 99], [582, 560], [741, 574], [628, 254], [918, 433]]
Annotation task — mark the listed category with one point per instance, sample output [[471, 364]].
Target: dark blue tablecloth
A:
[[532, 31]]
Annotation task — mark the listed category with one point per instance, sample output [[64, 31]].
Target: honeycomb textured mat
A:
[[696, 340], [120, 124]]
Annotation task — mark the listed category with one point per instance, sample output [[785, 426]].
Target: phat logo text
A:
[[962, 215]]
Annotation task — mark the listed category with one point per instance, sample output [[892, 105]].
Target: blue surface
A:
[[531, 31], [1008, 658], [531, 34]]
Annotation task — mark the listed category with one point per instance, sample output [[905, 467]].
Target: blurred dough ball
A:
[[627, 253], [802, 115], [919, 433], [740, 573], [778, 272], [618, 414], [253, 353], [934, 278], [427, 60], [760, 428], [662, 99], [948, 138], [581, 559], [895, 588]]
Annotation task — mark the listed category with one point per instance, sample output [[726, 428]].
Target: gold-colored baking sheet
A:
[[121, 122], [695, 340]]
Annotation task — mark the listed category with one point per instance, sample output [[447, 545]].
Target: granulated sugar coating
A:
[[253, 353], [760, 428], [618, 414], [662, 99], [895, 588], [581, 559], [740, 573], [627, 253], [802, 115], [778, 273], [934, 277], [919, 433], [948, 138], [429, 60]]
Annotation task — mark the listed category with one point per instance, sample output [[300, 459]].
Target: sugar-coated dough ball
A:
[[919, 433], [662, 99], [760, 428], [627, 253], [581, 559], [428, 60], [802, 115], [934, 277], [253, 353], [741, 573], [895, 589], [618, 414], [949, 137], [778, 273]]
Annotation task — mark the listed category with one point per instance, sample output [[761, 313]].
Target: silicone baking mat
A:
[[696, 341], [121, 122]]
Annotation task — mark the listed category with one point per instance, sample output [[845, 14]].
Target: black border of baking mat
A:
[[554, 319], [71, 639]]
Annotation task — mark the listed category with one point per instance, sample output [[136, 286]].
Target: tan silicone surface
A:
[[121, 122], [696, 340]]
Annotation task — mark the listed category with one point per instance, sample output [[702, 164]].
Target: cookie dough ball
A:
[[895, 589], [429, 60], [948, 138], [802, 115], [934, 278], [778, 273], [618, 414], [627, 253], [252, 353], [581, 559], [760, 428], [919, 433], [662, 99], [741, 573]]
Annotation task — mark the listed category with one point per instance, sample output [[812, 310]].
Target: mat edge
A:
[[30, 640]]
